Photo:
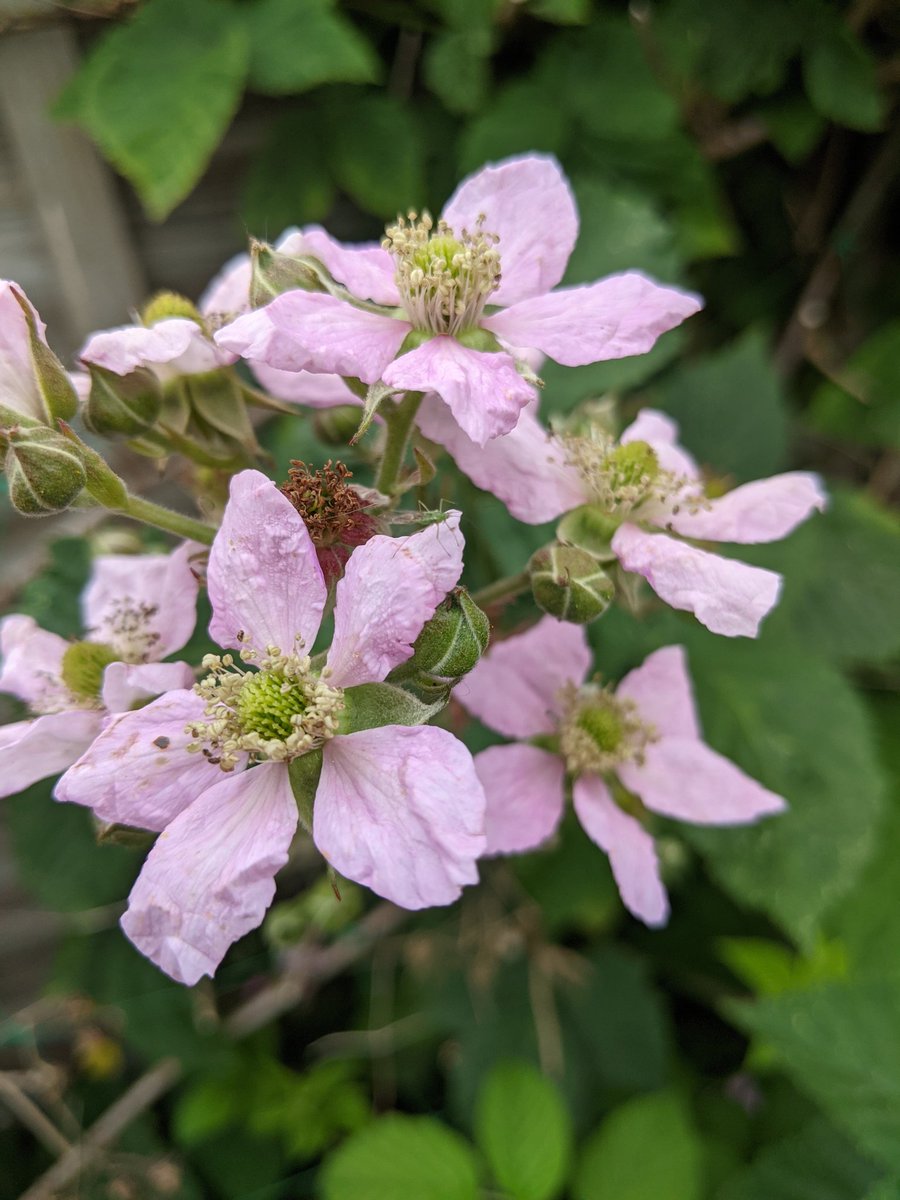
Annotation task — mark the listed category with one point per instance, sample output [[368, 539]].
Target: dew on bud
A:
[[569, 584]]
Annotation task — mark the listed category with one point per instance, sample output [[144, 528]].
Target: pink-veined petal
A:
[[390, 588], [400, 810], [523, 787], [125, 685], [305, 387], [264, 578], [525, 468], [516, 686], [211, 874], [661, 689], [616, 317], [176, 342], [683, 778], [632, 854], [365, 269], [482, 388], [18, 383], [138, 771], [528, 203], [762, 511], [727, 596], [32, 663], [33, 750], [661, 434]]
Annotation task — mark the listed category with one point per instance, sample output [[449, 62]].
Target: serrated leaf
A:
[[375, 149], [299, 44], [841, 80]]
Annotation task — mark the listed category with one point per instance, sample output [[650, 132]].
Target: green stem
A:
[[503, 590], [399, 426], [168, 519]]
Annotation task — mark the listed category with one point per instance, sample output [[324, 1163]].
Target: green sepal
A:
[[375, 397], [114, 834], [217, 399], [273, 273], [59, 396], [122, 405], [371, 705], [304, 773], [589, 528], [102, 482]]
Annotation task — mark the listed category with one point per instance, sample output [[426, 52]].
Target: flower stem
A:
[[503, 590], [168, 519], [399, 425]]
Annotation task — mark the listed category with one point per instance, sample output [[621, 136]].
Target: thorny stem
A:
[[168, 519], [399, 425], [503, 590]]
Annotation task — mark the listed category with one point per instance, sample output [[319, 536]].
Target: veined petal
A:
[[211, 874], [618, 316], [661, 434], [390, 588], [525, 468], [523, 787], [125, 685], [364, 269], [305, 387], [661, 689], [762, 511], [18, 383], [683, 778], [528, 203], [228, 292], [726, 596], [482, 389], [516, 686], [400, 810], [138, 770], [33, 750], [177, 342], [264, 578], [632, 854], [32, 664]]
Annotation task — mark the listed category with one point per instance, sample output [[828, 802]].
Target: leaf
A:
[[401, 1156], [644, 1149], [518, 120], [53, 597], [374, 146], [289, 182], [870, 412], [296, 45], [770, 968], [524, 1130], [840, 78], [158, 104], [561, 12], [457, 68]]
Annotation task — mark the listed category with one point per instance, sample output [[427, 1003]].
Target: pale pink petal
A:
[[516, 686], [33, 750], [726, 596], [632, 854], [762, 511], [684, 778], [81, 382], [482, 389], [32, 664], [138, 772], [364, 269], [18, 384], [618, 316], [143, 605], [390, 588], [523, 787], [400, 810], [126, 686], [661, 434], [211, 874], [528, 203], [661, 689], [264, 580], [525, 468], [176, 342], [229, 291], [305, 387]]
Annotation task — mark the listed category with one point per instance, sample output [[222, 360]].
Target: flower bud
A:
[[273, 273], [169, 304], [122, 404], [44, 471], [450, 644], [589, 528], [336, 426], [569, 584]]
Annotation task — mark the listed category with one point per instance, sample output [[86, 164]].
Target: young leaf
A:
[[298, 44]]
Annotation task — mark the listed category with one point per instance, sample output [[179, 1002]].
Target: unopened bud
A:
[[44, 472], [169, 304], [570, 584], [336, 426], [124, 405], [273, 273], [451, 643]]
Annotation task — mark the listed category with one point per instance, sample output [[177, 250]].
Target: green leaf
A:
[[374, 146], [770, 968], [288, 182], [401, 1156], [53, 597], [524, 1130], [518, 120], [296, 45], [561, 12], [867, 409], [457, 68], [840, 79], [157, 103], [643, 1150]]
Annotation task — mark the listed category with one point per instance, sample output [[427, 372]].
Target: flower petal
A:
[[390, 588], [632, 854], [364, 269], [228, 292], [125, 686], [661, 434], [525, 468], [683, 778], [762, 511], [726, 596], [528, 203], [32, 664], [177, 342], [482, 389], [211, 874], [523, 787], [618, 316], [33, 750], [264, 578], [400, 810], [661, 689], [18, 382], [515, 688], [305, 387], [138, 771]]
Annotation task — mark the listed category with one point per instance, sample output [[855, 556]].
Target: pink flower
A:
[[503, 241], [19, 391], [629, 753], [632, 490], [169, 346], [137, 611], [398, 807]]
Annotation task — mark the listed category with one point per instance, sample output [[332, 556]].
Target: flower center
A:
[[277, 712], [333, 511], [600, 731], [445, 279], [83, 665]]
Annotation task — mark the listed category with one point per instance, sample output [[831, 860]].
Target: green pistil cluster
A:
[[83, 665], [600, 731], [267, 704], [620, 477]]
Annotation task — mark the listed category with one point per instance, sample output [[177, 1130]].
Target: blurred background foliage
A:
[[533, 1043]]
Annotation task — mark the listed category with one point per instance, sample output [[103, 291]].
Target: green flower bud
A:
[[83, 665], [569, 584], [589, 528], [450, 644], [123, 405], [170, 304], [336, 426], [273, 273], [44, 471]]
